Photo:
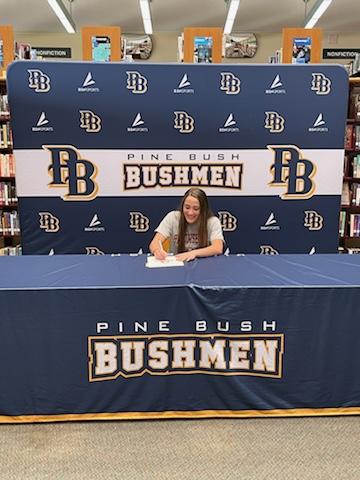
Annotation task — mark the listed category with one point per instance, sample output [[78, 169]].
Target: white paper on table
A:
[[170, 261]]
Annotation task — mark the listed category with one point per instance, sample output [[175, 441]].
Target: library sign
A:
[[103, 151], [343, 53], [53, 52]]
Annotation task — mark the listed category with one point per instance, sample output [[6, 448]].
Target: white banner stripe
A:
[[33, 176]]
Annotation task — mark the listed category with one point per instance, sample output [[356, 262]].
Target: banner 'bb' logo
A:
[[67, 169], [139, 222], [274, 122], [228, 221], [320, 84], [229, 83], [292, 171], [90, 122], [313, 220], [93, 251], [136, 82], [268, 250], [49, 222], [39, 81], [184, 122]]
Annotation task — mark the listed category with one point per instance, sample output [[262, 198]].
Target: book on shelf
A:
[[346, 166], [355, 194], [357, 137], [342, 223], [345, 195], [356, 166]]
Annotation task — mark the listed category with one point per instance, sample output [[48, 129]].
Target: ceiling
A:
[[173, 15]]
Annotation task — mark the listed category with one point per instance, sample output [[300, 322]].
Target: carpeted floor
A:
[[323, 448]]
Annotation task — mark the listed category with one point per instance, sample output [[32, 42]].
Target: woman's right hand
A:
[[160, 254]]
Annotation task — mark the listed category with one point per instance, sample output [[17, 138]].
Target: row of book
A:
[[5, 136], [277, 57], [350, 194], [354, 103], [349, 250], [354, 225], [9, 223], [4, 106], [354, 65], [11, 250], [7, 165], [352, 166], [352, 137], [7, 193], [354, 222]]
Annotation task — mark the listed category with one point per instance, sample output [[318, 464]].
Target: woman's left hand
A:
[[186, 256]]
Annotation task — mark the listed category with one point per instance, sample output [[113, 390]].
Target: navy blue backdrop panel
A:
[[104, 151], [102, 337]]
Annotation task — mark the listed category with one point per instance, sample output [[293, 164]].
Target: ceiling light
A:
[[63, 15], [146, 16], [315, 13], [232, 11]]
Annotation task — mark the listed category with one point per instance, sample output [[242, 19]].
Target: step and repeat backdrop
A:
[[104, 151]]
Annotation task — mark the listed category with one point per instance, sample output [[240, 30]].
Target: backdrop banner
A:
[[103, 151], [102, 337]]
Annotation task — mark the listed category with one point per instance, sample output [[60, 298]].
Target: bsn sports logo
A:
[[39, 81], [95, 225], [183, 86], [229, 83], [87, 85], [48, 222], [75, 174], [136, 124], [89, 121], [228, 221], [42, 124], [229, 125], [274, 122], [293, 172], [136, 82], [275, 87], [93, 251], [184, 122], [139, 222], [313, 220], [271, 223], [268, 250], [319, 124], [320, 84]]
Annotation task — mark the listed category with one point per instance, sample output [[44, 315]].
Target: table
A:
[[104, 337]]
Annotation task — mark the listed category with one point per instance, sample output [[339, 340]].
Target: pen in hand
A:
[[160, 253]]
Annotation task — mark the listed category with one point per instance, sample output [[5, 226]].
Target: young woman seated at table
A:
[[192, 230]]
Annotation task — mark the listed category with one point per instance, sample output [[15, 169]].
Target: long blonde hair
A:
[[205, 214]]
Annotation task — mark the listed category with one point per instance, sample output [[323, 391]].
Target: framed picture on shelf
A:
[[202, 45], [203, 49], [101, 48], [101, 44], [301, 45]]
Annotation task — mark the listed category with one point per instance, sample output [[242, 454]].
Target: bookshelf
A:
[[9, 218], [349, 221]]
